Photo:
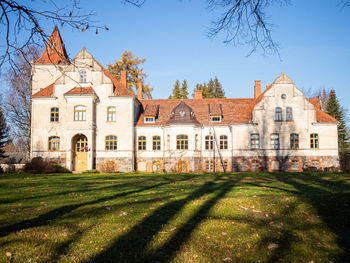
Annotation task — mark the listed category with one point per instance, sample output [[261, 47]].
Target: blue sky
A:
[[313, 36]]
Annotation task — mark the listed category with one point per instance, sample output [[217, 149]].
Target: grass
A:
[[238, 217]]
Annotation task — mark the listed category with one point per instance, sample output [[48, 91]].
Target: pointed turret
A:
[[54, 52]]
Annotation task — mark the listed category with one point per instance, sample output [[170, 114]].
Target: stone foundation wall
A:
[[124, 164], [169, 164]]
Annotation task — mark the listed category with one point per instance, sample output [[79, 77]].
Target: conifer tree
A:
[[176, 91], [210, 89], [3, 134], [184, 91], [218, 90], [335, 110]]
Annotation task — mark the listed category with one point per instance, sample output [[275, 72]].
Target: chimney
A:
[[123, 78], [198, 94], [139, 91], [257, 88]]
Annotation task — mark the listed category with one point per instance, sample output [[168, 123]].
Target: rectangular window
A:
[[216, 118], [209, 165], [149, 120], [111, 114], [289, 114], [275, 141], [314, 141], [156, 143], [255, 165], [294, 141], [255, 141], [181, 142], [111, 143], [209, 142], [316, 164], [54, 114], [223, 142], [278, 114], [142, 143], [295, 165]]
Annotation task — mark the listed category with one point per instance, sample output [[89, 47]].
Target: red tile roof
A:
[[120, 89], [234, 110], [80, 91], [44, 93], [151, 110], [54, 51], [321, 116]]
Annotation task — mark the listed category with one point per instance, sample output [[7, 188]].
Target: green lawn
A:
[[238, 217]]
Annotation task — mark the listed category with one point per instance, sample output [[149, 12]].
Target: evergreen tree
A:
[[176, 91], [184, 91], [210, 89], [335, 110], [3, 134], [218, 90]]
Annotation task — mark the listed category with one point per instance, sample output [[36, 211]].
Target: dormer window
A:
[[216, 119], [149, 119], [83, 75]]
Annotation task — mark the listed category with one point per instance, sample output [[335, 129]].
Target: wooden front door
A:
[[81, 154]]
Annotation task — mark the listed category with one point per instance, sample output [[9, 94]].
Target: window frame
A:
[[112, 142], [295, 165], [83, 76], [223, 142], [77, 113], [255, 165], [314, 141], [273, 144], [181, 142], [141, 143], [111, 113], [289, 114], [209, 142], [255, 141], [278, 114], [54, 115], [156, 143], [294, 142], [216, 118], [209, 165], [151, 119], [53, 141]]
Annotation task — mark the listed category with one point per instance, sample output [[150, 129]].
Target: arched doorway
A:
[[80, 152]]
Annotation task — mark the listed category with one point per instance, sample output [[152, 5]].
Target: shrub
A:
[[109, 166], [38, 165], [345, 161]]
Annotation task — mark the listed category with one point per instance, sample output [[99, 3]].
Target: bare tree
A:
[[18, 99], [22, 23]]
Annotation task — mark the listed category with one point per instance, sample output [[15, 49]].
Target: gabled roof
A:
[[322, 116], [54, 51], [151, 110], [44, 93], [81, 91], [182, 114], [120, 89]]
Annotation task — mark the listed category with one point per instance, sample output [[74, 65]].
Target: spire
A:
[[54, 51]]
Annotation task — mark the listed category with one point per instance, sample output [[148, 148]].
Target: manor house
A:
[[82, 116]]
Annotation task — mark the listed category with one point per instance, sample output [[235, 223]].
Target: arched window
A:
[[54, 143], [314, 141], [294, 141], [294, 165], [80, 113], [54, 114], [156, 143], [83, 75], [255, 141], [255, 165], [111, 143], [142, 143], [111, 114], [289, 114], [275, 141], [278, 114], [181, 142], [209, 142], [223, 142]]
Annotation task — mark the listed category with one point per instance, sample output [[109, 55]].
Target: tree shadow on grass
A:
[[46, 218], [331, 200], [131, 247]]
